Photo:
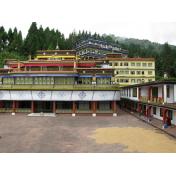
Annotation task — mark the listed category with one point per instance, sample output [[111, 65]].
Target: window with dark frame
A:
[[161, 112], [134, 92], [170, 114], [168, 91], [154, 110]]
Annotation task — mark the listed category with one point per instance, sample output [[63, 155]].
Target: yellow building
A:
[[55, 54], [133, 70]]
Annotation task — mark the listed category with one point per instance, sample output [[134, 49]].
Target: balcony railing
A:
[[60, 87], [157, 100]]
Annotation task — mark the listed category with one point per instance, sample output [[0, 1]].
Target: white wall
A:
[[144, 91], [130, 94], [160, 91], [171, 98], [61, 95], [174, 92], [157, 116], [174, 118]]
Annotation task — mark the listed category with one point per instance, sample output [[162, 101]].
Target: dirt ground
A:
[[65, 133]]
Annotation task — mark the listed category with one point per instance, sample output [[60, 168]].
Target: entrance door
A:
[[64, 107], [43, 106]]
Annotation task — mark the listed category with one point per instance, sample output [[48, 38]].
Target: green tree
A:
[[31, 43], [15, 41], [3, 39], [168, 60]]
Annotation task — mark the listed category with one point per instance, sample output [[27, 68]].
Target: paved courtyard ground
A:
[[65, 133]]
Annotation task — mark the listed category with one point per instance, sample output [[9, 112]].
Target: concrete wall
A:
[[157, 116], [160, 91], [144, 91], [174, 93], [60, 95], [174, 118], [171, 98]]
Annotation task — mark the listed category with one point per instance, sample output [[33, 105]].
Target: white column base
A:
[[73, 115], [13, 113], [114, 115], [94, 115]]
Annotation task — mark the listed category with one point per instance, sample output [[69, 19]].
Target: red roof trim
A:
[[86, 64]]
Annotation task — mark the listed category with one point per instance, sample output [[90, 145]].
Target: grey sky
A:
[[144, 19]]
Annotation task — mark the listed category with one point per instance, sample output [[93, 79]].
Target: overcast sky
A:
[[143, 19]]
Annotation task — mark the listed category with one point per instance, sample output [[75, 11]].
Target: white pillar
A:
[[165, 93], [174, 99]]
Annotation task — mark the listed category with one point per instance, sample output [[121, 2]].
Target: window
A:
[[127, 72], [121, 72], [121, 64], [168, 91], [155, 92], [170, 114], [149, 64], [132, 80], [138, 80], [142, 72], [138, 72], [133, 72], [8, 81], [138, 64], [134, 92], [133, 64], [149, 80], [144, 64], [110, 64], [129, 92], [154, 110], [124, 80], [101, 81], [28, 80], [116, 64], [161, 112], [126, 64], [149, 72]]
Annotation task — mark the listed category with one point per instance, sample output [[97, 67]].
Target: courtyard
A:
[[83, 133]]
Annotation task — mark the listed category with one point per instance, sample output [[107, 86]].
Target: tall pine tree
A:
[[31, 43]]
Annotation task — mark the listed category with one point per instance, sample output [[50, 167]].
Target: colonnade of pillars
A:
[[149, 93], [148, 113], [74, 107]]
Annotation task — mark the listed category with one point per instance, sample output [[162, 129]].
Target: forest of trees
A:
[[14, 46]]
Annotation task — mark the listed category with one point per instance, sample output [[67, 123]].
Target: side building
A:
[[129, 71], [153, 100]]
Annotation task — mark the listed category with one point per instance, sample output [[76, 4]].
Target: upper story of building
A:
[[55, 55], [66, 64], [97, 49], [157, 93], [62, 74]]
